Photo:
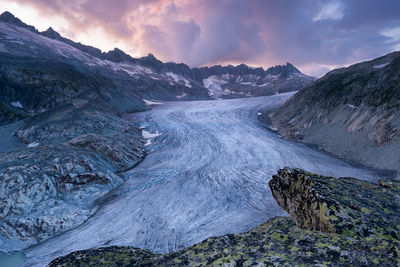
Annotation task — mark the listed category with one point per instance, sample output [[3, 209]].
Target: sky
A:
[[314, 35]]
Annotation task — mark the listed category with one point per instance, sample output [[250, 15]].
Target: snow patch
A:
[[380, 66], [16, 104], [246, 83], [213, 84], [181, 96], [149, 102], [273, 77], [147, 134], [351, 106], [148, 142], [178, 79], [34, 144]]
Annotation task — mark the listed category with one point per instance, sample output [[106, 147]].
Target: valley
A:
[[206, 174]]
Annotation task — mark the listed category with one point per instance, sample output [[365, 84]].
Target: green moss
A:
[[365, 210]]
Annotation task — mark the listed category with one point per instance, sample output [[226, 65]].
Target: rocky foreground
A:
[[333, 221]]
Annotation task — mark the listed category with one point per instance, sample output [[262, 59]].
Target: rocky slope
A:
[[69, 141], [340, 222], [351, 112]]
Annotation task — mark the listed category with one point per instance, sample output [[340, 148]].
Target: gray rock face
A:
[[70, 140], [51, 184], [351, 112]]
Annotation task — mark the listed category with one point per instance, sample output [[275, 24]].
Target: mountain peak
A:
[[151, 56], [7, 14], [51, 33], [117, 55], [8, 17], [291, 67]]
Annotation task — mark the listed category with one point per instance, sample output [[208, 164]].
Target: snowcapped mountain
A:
[[60, 69], [242, 80]]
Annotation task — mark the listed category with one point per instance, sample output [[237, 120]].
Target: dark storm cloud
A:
[[313, 34]]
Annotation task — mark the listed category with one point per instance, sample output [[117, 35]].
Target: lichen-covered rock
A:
[[277, 242], [345, 206], [363, 235]]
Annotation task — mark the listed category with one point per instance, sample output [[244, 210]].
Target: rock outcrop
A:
[[351, 112], [345, 206], [335, 222], [66, 161]]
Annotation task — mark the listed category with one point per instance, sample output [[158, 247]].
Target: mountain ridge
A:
[[197, 73]]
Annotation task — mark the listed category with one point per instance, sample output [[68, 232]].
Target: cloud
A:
[[330, 10], [313, 34]]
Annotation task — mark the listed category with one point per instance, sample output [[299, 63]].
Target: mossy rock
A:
[[278, 242], [344, 206]]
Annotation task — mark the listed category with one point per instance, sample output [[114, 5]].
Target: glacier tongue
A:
[[209, 177]]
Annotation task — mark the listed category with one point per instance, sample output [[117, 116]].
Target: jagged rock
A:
[[69, 160], [124, 153], [47, 191], [360, 220]]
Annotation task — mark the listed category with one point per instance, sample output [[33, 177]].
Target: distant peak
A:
[[8, 17], [7, 14], [150, 55], [117, 55], [242, 65], [51, 33], [291, 67], [117, 50]]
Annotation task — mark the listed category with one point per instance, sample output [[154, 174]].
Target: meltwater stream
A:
[[206, 176]]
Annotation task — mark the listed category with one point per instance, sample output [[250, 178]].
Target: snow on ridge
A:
[[16, 104], [213, 84], [273, 77], [25, 36], [178, 79]]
